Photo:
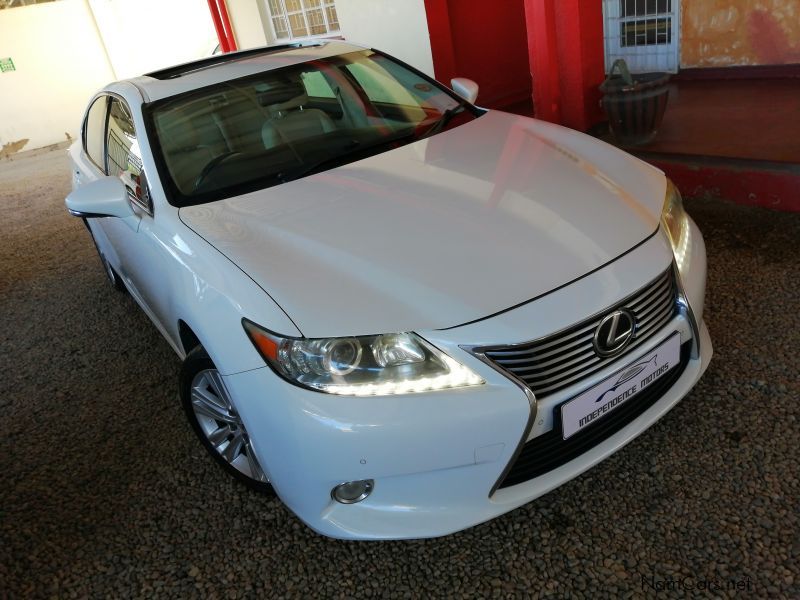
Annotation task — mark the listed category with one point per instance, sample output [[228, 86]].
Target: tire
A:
[[212, 415], [111, 274]]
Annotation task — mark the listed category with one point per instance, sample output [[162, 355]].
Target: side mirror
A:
[[466, 88], [106, 197]]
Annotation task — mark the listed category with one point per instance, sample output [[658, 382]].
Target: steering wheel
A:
[[210, 166]]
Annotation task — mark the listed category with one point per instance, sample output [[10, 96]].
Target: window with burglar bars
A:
[[293, 19], [643, 32], [15, 3]]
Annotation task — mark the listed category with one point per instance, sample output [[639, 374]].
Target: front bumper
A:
[[436, 458]]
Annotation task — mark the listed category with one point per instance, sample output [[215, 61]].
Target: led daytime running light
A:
[[382, 365]]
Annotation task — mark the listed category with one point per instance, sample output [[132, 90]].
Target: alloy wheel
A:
[[222, 425]]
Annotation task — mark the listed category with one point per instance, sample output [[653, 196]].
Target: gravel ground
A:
[[105, 492]]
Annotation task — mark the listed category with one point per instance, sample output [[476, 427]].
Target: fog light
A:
[[352, 491]]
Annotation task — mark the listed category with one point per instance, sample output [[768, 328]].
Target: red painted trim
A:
[[226, 23], [215, 17], [745, 72], [777, 189]]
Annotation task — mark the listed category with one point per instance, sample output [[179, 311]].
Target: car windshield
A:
[[287, 123]]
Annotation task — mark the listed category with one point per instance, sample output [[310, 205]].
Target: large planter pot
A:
[[635, 104]]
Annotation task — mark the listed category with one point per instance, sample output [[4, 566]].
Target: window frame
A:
[[324, 4], [105, 97], [146, 202], [642, 58]]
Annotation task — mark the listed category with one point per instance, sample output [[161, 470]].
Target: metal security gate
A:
[[643, 32]]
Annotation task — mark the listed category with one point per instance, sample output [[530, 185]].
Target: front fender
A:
[[212, 295]]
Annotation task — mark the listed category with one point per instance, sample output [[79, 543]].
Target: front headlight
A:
[[676, 224], [376, 365]]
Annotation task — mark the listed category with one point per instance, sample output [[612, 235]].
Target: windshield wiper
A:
[[336, 160], [355, 147], [446, 117]]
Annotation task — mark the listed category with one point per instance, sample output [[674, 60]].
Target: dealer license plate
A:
[[623, 386]]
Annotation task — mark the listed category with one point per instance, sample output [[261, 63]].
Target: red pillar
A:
[[222, 25], [223, 40], [226, 24], [565, 45]]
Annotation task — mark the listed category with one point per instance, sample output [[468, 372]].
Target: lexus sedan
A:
[[400, 312]]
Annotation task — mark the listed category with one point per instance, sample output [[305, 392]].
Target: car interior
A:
[[288, 117]]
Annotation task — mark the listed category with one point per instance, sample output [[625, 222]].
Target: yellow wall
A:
[[722, 33]]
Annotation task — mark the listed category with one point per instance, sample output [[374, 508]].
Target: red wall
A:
[[498, 45], [485, 42]]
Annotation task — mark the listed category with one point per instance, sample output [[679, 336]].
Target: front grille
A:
[[560, 360], [549, 450]]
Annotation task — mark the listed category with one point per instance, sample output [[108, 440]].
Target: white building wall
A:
[[249, 20], [64, 51], [60, 63], [398, 27], [145, 35]]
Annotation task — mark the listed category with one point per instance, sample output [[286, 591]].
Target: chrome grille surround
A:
[[555, 362]]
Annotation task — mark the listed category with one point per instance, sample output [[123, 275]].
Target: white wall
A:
[[60, 63], [64, 51], [145, 35], [249, 22], [398, 27]]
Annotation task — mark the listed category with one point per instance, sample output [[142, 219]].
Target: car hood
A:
[[441, 232]]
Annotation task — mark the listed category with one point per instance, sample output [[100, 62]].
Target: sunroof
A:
[[218, 59]]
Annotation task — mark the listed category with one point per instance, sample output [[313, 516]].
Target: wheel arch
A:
[[188, 338], [207, 297]]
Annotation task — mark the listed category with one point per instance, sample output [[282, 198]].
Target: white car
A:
[[404, 314]]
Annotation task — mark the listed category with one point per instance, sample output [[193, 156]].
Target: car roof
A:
[[233, 65]]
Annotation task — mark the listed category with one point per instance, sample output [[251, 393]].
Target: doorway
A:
[[643, 32]]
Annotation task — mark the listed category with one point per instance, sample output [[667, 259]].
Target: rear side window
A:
[[94, 131]]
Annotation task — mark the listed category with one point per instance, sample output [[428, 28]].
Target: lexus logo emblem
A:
[[614, 332]]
